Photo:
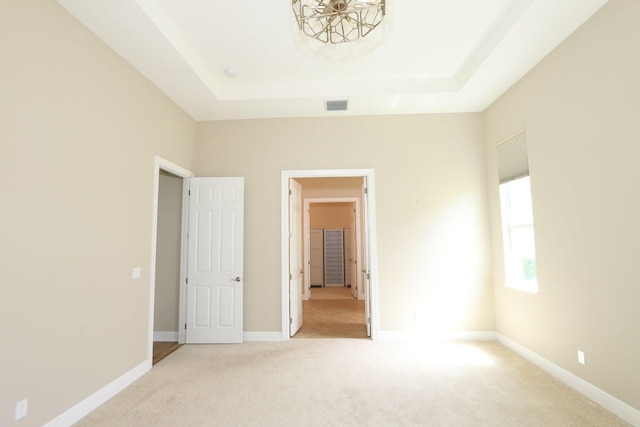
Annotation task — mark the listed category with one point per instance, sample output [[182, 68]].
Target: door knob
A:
[[237, 279]]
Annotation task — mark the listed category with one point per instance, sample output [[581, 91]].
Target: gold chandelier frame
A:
[[338, 21]]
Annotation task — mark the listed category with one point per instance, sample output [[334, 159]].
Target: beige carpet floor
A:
[[344, 382]]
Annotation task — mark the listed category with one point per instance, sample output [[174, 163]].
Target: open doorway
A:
[[348, 300], [167, 277], [333, 230], [333, 307], [167, 259]]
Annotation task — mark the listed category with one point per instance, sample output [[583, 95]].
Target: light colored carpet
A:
[[348, 383]]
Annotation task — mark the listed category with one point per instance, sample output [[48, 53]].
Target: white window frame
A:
[[511, 277]]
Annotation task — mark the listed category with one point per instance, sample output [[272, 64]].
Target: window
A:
[[517, 214], [517, 235]]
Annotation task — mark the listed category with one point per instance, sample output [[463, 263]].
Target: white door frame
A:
[[296, 261], [284, 238], [307, 231], [167, 166]]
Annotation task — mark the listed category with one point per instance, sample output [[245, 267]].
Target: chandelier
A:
[[338, 21]]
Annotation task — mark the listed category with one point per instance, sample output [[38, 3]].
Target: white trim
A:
[[165, 336], [453, 336], [307, 238], [262, 336], [372, 236], [284, 233], [167, 166], [82, 409], [184, 259], [602, 398]]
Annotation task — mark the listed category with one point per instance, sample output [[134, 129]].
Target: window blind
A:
[[513, 160]]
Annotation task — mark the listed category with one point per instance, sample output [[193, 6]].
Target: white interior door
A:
[[215, 264], [295, 257], [353, 253], [347, 257], [366, 271]]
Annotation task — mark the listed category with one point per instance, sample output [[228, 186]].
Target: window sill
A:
[[528, 288]]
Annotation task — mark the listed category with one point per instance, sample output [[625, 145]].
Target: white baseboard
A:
[[262, 336], [453, 336], [80, 410], [602, 398], [165, 336]]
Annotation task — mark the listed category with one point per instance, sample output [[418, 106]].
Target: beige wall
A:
[[331, 187], [432, 224], [580, 108], [79, 131], [330, 215], [167, 290]]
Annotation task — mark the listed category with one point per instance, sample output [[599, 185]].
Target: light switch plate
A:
[[136, 273], [581, 357], [21, 409]]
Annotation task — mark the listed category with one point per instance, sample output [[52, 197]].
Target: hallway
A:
[[333, 313]]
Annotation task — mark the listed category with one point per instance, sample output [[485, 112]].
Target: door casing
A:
[[284, 238], [167, 166], [307, 231], [296, 278]]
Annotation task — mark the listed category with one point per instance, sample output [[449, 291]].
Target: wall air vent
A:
[[336, 105]]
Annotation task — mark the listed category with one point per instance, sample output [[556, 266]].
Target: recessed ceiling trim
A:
[[338, 89], [491, 40], [164, 22], [148, 34], [127, 29]]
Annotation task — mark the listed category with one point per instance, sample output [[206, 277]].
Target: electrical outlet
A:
[[136, 273], [581, 357], [21, 409]]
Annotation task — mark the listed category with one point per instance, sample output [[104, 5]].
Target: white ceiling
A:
[[431, 56]]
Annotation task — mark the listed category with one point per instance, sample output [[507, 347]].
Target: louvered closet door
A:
[[333, 258]]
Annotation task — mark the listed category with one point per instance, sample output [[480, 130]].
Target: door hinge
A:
[[368, 276], [187, 280], [189, 192], [290, 276], [289, 191], [185, 326], [366, 190], [369, 320], [291, 320]]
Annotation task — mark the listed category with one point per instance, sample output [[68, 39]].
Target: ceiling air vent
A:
[[336, 105]]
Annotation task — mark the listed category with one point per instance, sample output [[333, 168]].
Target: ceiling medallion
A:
[[338, 21]]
